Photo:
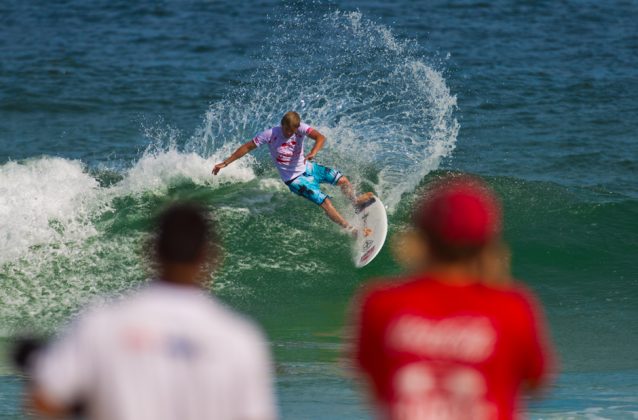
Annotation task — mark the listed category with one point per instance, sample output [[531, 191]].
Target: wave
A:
[[68, 236]]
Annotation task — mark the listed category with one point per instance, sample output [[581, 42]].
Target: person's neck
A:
[[181, 275], [455, 274]]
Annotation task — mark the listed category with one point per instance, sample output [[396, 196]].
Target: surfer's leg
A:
[[307, 187], [333, 214], [348, 190]]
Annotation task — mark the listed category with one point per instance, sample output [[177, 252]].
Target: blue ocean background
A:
[[109, 109]]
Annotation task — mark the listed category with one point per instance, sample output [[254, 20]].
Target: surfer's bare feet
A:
[[362, 199], [354, 232]]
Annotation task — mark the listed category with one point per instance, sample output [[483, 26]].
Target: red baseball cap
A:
[[459, 212]]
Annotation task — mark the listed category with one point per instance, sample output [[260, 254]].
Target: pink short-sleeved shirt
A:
[[287, 152]]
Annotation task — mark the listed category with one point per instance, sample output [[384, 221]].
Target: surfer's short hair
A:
[[184, 231], [458, 216], [291, 119]]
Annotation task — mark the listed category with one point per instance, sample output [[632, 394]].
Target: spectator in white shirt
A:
[[168, 351]]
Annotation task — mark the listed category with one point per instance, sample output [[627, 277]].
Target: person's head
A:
[[185, 244], [458, 218], [290, 123]]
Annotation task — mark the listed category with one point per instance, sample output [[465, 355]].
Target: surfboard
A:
[[369, 215]]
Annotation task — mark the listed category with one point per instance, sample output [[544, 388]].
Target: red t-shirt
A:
[[438, 351]]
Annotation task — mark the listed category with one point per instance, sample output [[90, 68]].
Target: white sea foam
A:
[[56, 251], [43, 201], [158, 170], [53, 200]]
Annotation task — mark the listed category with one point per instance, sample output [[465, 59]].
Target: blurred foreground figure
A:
[[168, 351], [454, 340]]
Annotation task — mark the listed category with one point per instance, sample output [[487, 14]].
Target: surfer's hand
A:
[[310, 156], [218, 168], [351, 231]]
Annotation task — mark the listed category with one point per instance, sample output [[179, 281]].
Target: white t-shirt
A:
[[166, 352], [286, 152]]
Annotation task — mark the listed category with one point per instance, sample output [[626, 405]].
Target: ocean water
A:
[[109, 109]]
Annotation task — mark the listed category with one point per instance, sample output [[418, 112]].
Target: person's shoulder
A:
[[382, 285], [387, 288], [103, 308], [110, 308], [233, 322], [93, 321], [304, 128], [243, 336], [267, 132], [516, 300], [264, 136]]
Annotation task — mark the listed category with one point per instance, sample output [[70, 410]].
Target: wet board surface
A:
[[371, 215]]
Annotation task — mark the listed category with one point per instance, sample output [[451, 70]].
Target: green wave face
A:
[[280, 252], [288, 266]]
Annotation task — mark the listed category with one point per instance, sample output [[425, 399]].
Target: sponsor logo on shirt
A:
[[287, 151], [181, 348], [425, 390], [465, 338]]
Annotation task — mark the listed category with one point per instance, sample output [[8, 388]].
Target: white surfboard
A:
[[370, 215]]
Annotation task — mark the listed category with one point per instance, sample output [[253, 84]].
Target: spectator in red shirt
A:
[[453, 341]]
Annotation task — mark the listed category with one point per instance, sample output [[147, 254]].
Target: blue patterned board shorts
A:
[[307, 184]]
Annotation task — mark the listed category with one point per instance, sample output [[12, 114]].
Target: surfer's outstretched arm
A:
[[241, 151]]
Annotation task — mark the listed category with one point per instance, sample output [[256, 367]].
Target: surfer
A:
[[298, 171]]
